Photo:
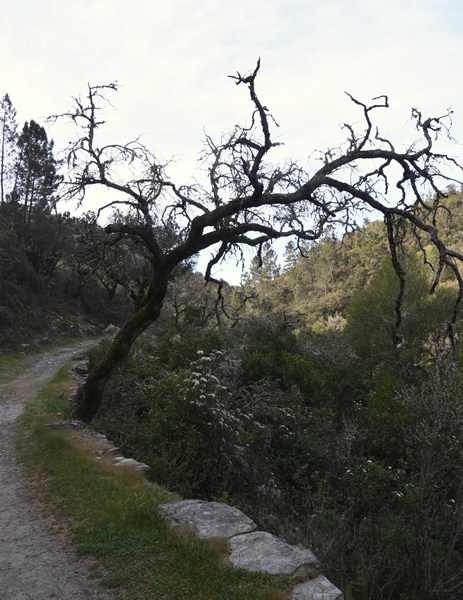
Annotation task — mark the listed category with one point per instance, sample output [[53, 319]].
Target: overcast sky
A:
[[172, 59]]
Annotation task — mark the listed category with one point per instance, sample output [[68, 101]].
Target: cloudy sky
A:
[[172, 59]]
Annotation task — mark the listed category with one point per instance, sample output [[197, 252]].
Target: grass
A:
[[114, 518], [11, 365], [51, 400]]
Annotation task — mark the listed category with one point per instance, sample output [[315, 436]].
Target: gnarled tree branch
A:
[[250, 201]]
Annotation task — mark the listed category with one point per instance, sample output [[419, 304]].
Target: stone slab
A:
[[121, 461], [264, 552], [319, 588], [208, 519]]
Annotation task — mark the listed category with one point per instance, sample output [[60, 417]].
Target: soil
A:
[[37, 562]]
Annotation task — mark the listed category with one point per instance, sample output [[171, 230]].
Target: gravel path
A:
[[35, 562]]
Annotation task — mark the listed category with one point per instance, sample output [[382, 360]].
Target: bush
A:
[[371, 481]]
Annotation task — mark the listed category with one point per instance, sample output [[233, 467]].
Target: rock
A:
[[264, 552], [208, 519], [74, 424], [81, 368], [110, 330], [75, 395], [99, 437], [316, 589], [120, 461], [112, 450], [91, 330]]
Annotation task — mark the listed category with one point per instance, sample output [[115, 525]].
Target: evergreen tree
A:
[[383, 344], [264, 267], [8, 137], [36, 178], [261, 283]]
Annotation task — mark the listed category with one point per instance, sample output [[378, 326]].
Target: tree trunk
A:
[[91, 393]]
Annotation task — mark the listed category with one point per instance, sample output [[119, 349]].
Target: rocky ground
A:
[[36, 561]]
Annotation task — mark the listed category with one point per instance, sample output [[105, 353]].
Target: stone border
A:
[[250, 549]]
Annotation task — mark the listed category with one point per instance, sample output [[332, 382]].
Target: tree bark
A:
[[91, 393]]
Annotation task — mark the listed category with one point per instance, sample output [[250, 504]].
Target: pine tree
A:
[[36, 178]]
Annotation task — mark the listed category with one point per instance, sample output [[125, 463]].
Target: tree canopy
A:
[[250, 201]]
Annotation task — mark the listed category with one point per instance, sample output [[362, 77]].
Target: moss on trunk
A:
[[92, 392]]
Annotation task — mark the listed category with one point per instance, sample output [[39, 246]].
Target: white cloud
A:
[[172, 60]]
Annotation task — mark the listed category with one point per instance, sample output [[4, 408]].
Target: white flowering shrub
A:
[[203, 430], [212, 437]]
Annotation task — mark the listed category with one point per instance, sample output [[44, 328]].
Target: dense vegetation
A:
[[301, 411], [290, 397]]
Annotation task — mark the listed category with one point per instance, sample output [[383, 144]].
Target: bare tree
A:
[[249, 200]]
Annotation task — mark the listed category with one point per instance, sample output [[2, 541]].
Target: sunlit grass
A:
[[113, 516]]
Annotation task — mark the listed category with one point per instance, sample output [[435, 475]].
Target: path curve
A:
[[35, 562]]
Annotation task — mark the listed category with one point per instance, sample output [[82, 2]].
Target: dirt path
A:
[[35, 562]]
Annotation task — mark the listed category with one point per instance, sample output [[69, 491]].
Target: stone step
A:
[[207, 519], [256, 551], [318, 588], [264, 552]]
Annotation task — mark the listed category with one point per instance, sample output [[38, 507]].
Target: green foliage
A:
[[113, 518], [48, 275], [372, 318], [316, 286], [178, 351], [369, 477], [384, 415], [36, 178], [402, 519], [209, 429], [273, 353]]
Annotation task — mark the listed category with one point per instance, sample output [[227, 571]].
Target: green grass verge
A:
[[113, 517], [11, 365]]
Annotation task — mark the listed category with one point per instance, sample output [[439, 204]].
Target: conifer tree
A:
[[36, 177]]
